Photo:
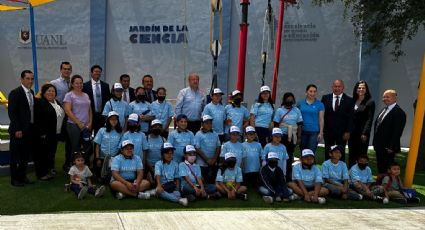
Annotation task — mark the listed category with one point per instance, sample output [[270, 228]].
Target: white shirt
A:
[[334, 99], [390, 107], [30, 100], [126, 94]]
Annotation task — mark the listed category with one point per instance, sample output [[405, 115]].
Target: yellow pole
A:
[[3, 100], [416, 132]]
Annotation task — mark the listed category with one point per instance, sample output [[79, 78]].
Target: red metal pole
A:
[[243, 35], [277, 50]]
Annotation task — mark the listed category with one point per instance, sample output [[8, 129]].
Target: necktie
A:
[[124, 97], [336, 107], [31, 104], [98, 98], [381, 116]]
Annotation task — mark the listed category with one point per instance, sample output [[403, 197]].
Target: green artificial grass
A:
[[49, 197]]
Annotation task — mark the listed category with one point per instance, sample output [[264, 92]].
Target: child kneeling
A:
[[229, 179]]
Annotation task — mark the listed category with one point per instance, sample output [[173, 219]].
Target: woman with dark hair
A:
[[49, 117], [262, 115], [364, 110]]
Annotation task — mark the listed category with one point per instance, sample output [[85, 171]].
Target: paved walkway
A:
[[280, 219]]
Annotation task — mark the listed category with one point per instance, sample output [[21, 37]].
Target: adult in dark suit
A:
[[99, 93], [364, 110], [338, 117], [388, 129], [49, 122], [147, 82], [21, 115], [128, 93]]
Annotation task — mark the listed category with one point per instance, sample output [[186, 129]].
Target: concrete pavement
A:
[[268, 219]]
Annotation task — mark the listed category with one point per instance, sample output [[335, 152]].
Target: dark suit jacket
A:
[[45, 118], [106, 93], [154, 96], [363, 118], [340, 121], [388, 133], [19, 111], [132, 94]]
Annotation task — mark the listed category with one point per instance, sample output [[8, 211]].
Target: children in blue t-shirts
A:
[[335, 175], [116, 104], [107, 143], [252, 151], [167, 176], [207, 146], [233, 145], [136, 136], [229, 179], [142, 108], [192, 185], [236, 114], [280, 149], [153, 154], [127, 174], [262, 114], [216, 110], [307, 179], [180, 137]]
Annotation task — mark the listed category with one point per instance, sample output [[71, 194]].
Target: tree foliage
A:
[[384, 22]]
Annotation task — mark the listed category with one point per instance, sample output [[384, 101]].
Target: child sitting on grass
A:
[[307, 179], [80, 175], [229, 179], [335, 175]]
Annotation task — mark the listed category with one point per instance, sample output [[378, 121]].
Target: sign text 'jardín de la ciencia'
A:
[[156, 34]]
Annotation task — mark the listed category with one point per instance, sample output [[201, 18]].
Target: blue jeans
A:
[[309, 140], [188, 190], [76, 189], [281, 191], [171, 196], [334, 191]]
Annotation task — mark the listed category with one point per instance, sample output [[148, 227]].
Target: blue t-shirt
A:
[[263, 114], [291, 118], [208, 142], [218, 114], [280, 150], [154, 149], [162, 111], [308, 177], [237, 115], [121, 107], [127, 168], [251, 155], [310, 113], [167, 172], [109, 142], [364, 176], [139, 141], [179, 140], [139, 108], [236, 148], [337, 173], [185, 171], [230, 175]]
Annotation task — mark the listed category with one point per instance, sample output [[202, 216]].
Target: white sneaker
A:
[[268, 199], [278, 199], [82, 193], [151, 192], [183, 201], [294, 197], [144, 196], [99, 191], [385, 200], [321, 200], [119, 196], [360, 197]]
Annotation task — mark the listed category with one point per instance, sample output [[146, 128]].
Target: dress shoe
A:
[[17, 183]]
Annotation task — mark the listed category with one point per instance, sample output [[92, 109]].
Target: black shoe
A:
[[27, 181], [414, 200], [17, 183]]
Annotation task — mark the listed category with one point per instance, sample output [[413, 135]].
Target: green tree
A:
[[384, 22]]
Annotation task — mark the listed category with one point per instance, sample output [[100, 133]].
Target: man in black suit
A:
[[21, 115], [388, 129], [147, 82], [128, 93], [339, 110], [99, 93]]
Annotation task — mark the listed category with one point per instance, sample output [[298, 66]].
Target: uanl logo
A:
[[43, 41]]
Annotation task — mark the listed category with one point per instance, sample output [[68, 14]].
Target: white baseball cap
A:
[[229, 155], [264, 88], [156, 122], [206, 118], [217, 91], [133, 118], [234, 129], [118, 86], [272, 155], [307, 152], [189, 149], [249, 129], [113, 113], [126, 142], [168, 145], [277, 131], [236, 92]]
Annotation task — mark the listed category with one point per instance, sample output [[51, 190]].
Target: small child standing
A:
[[307, 179], [280, 149], [252, 151], [229, 179], [136, 136], [180, 137], [335, 174], [233, 145], [80, 175]]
